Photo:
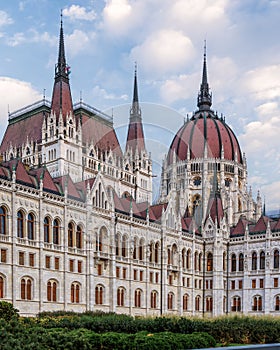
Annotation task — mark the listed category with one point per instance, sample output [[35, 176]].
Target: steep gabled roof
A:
[[261, 225]]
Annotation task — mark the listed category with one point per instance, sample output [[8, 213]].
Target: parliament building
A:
[[79, 230]]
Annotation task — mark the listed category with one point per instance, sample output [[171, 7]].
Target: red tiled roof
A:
[[66, 180], [215, 208], [135, 137], [240, 227], [61, 98], [261, 225]]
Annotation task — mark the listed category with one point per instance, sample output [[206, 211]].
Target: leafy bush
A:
[[7, 311]]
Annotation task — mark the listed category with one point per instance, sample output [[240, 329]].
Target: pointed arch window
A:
[[70, 234], [196, 261], [184, 258], [141, 250], [75, 292], [153, 299], [2, 287], [262, 260], [56, 232], [120, 296], [276, 259], [47, 230], [52, 291], [26, 288], [188, 259], [79, 237], [277, 303], [257, 303], [209, 304], [254, 261], [20, 231], [170, 298], [236, 304], [210, 262], [233, 263], [157, 253], [99, 294], [241, 262], [197, 303], [3, 220], [137, 298], [30, 226], [185, 302], [124, 240], [200, 262]]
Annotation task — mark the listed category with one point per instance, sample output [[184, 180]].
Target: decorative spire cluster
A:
[[204, 99], [62, 70]]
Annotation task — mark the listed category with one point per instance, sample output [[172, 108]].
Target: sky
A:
[[104, 39]]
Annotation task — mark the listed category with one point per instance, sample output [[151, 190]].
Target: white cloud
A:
[[16, 94], [164, 51], [117, 11], [78, 41], [264, 82], [33, 36], [5, 19], [101, 92], [76, 12]]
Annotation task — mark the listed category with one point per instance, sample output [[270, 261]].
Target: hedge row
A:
[[237, 329], [18, 336]]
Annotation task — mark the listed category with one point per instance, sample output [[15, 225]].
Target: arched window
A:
[[3, 220], [184, 258], [254, 261], [241, 262], [168, 256], [20, 232], [2, 286], [157, 253], [257, 303], [52, 291], [276, 259], [200, 262], [99, 294], [196, 261], [120, 296], [209, 262], [233, 263], [124, 240], [135, 244], [141, 249], [47, 230], [224, 261], [236, 304], [137, 298], [75, 292], [170, 301], [100, 236], [185, 302], [30, 226], [118, 244], [209, 304], [153, 299], [79, 237], [26, 289], [262, 260], [70, 234], [188, 262], [197, 303], [277, 303], [56, 232]]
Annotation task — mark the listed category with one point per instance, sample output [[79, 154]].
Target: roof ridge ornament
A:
[[204, 99]]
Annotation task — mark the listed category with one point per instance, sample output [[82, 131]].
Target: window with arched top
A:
[[200, 261], [79, 237], [2, 287], [197, 303], [70, 235], [52, 290], [209, 262], [56, 232], [30, 226], [157, 252], [236, 304], [124, 243], [141, 249], [183, 258], [254, 261], [153, 299], [99, 295], [188, 259], [276, 259], [196, 261], [241, 262], [170, 300], [137, 298], [262, 260], [120, 296], [3, 220], [257, 303], [209, 304], [47, 226], [20, 225], [277, 303], [233, 263], [185, 302], [26, 288], [75, 292]]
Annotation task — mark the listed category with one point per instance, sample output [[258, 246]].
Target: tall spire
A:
[[135, 136], [204, 99], [61, 98], [135, 109]]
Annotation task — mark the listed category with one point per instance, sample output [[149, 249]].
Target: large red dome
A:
[[205, 129]]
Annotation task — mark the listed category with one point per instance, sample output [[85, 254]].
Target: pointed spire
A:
[[204, 99], [135, 136], [61, 98]]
